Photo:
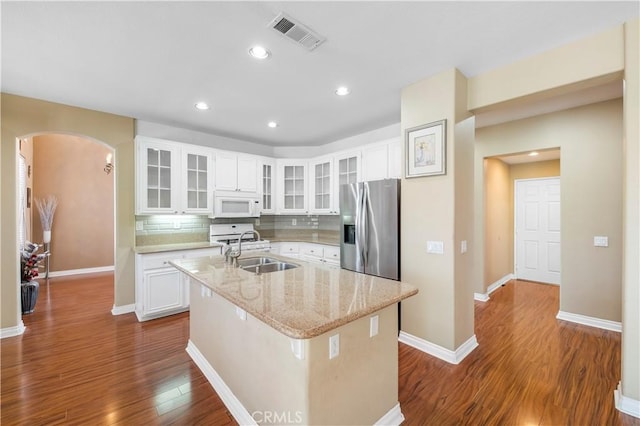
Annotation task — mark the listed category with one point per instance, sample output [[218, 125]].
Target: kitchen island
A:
[[310, 345]]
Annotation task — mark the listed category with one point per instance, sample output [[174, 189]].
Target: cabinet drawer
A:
[[289, 248], [159, 260], [312, 250], [332, 254]]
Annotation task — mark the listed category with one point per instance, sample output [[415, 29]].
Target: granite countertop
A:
[[174, 247], [303, 302]]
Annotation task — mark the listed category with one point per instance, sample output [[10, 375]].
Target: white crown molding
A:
[[625, 404], [452, 357], [590, 321], [124, 309], [13, 331]]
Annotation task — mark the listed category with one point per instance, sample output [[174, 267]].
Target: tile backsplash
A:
[[169, 229]]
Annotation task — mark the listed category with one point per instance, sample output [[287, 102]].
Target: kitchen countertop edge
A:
[[174, 247]]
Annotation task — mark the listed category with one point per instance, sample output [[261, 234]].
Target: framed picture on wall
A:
[[426, 150]]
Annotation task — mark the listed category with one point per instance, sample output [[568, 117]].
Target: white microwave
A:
[[235, 205]]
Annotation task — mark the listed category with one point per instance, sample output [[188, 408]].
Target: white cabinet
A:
[[236, 172], [172, 178], [321, 188], [382, 161], [292, 187], [161, 289], [268, 185], [157, 176], [347, 170], [197, 180], [312, 252]]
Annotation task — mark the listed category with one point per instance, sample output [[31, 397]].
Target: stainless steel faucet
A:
[[235, 254]]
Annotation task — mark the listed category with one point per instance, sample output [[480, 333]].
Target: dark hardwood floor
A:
[[78, 364]]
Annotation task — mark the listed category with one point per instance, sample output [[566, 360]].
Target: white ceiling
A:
[[154, 60]]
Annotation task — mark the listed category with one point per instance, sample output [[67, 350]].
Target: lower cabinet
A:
[[161, 289], [312, 252]]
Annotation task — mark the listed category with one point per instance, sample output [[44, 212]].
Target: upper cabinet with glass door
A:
[[197, 182], [292, 182], [157, 176], [321, 200], [347, 170], [268, 186], [172, 178]]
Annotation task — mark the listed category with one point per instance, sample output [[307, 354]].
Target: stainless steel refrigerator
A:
[[370, 227]]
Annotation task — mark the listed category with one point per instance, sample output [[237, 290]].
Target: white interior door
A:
[[537, 239]]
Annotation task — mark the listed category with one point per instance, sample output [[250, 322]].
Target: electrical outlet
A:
[[294, 222], [373, 326], [242, 314], [463, 246], [176, 224], [334, 346], [139, 225], [257, 222]]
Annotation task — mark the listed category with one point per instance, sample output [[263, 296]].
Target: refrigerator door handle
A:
[[360, 226], [365, 224]]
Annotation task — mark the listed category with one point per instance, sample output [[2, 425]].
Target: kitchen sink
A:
[[273, 266], [256, 261]]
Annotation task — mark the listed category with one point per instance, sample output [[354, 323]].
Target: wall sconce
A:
[[109, 164]]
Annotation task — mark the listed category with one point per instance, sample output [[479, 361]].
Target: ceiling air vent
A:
[[296, 31]]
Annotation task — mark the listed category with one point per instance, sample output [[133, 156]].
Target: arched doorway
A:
[[71, 168]]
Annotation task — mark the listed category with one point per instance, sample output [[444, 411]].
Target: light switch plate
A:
[[463, 246], [601, 241], [294, 222], [176, 224], [435, 247], [242, 314]]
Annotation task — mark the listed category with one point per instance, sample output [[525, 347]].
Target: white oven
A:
[[235, 205]]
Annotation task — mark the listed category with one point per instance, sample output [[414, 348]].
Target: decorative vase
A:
[[46, 237], [29, 296]]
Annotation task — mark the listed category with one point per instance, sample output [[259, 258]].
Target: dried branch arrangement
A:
[[47, 208]]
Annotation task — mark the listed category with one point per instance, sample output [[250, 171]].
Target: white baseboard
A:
[[625, 404], [484, 297], [590, 321], [81, 271], [393, 417], [452, 357], [13, 331], [232, 402], [124, 309]]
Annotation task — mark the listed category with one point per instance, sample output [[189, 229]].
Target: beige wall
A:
[[26, 150], [23, 117], [256, 362], [590, 139], [71, 168], [442, 312], [497, 262], [631, 275]]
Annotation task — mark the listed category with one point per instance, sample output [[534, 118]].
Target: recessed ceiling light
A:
[[259, 52], [533, 153], [272, 124], [342, 91], [202, 106]]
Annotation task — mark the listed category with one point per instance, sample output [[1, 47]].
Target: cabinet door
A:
[[247, 174], [226, 171], [347, 170], [163, 290], [196, 181], [268, 185], [157, 177], [395, 159], [375, 162], [320, 187], [292, 188]]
